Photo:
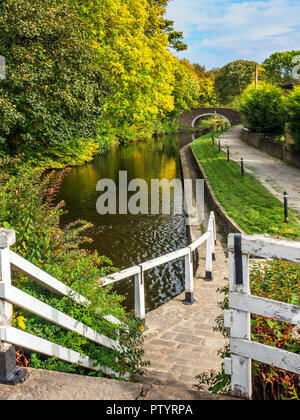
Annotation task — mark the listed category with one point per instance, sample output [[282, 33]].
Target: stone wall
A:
[[273, 148]]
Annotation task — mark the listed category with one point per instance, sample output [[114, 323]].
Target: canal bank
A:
[[179, 341], [133, 239]]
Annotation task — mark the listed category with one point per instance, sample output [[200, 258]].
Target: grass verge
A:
[[244, 198]]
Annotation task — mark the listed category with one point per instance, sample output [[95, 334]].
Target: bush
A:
[[262, 110], [28, 205], [293, 110]]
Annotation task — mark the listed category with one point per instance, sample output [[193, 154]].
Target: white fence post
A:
[[189, 279], [139, 288], [210, 247], [214, 238], [241, 379], [10, 374]]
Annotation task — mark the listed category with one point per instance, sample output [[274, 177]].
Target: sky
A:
[[221, 31]]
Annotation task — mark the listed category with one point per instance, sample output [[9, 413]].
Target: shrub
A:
[[262, 110], [28, 205], [293, 110]]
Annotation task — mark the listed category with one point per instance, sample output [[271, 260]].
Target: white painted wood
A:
[[242, 302], [124, 274], [265, 307], [44, 279], [139, 292], [227, 365], [33, 305], [5, 279], [214, 225], [172, 256], [50, 283], [231, 270], [200, 241], [227, 319], [270, 355], [7, 239], [189, 273], [211, 228], [241, 386], [241, 379], [209, 250], [259, 246], [20, 338]]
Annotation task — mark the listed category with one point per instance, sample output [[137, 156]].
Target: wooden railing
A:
[[138, 271], [242, 304], [10, 295]]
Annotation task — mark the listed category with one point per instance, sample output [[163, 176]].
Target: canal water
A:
[[132, 239]]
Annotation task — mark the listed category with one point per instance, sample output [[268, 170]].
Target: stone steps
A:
[[180, 342]]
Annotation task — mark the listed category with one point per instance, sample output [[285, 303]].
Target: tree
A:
[[279, 67], [233, 79], [131, 47], [207, 96], [187, 87], [262, 110], [175, 38], [54, 90], [293, 118]]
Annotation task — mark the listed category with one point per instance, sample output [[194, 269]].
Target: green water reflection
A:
[[131, 239]]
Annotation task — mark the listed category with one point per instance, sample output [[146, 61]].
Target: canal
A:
[[132, 239]]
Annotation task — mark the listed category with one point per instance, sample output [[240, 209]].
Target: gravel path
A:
[[274, 174]]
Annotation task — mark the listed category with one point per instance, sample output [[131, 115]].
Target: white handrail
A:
[[10, 336], [25, 267], [138, 270], [17, 337], [23, 300], [10, 295]]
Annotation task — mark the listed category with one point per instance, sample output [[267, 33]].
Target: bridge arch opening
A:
[[210, 114]]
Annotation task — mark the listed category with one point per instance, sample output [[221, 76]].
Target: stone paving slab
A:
[[180, 342]]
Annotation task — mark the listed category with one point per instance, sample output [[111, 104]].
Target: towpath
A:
[[274, 174]]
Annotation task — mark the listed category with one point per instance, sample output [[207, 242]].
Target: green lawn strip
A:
[[244, 198]]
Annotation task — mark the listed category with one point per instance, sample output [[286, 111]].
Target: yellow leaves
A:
[[95, 44], [19, 321], [117, 68], [131, 45]]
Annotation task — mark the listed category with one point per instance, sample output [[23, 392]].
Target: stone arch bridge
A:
[[191, 118]]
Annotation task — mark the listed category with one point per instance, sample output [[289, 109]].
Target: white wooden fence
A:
[[138, 271], [242, 304], [10, 295]]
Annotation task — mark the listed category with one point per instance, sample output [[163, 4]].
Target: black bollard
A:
[[228, 154], [242, 166], [219, 146], [286, 209]]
